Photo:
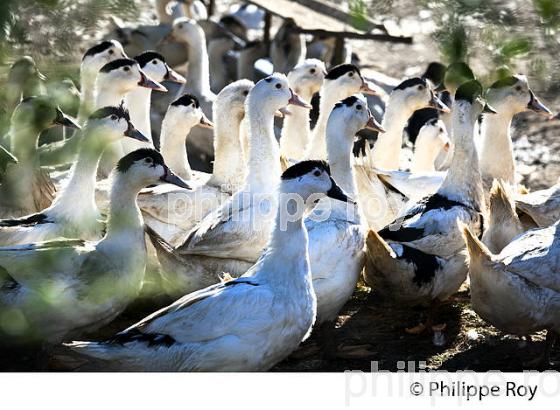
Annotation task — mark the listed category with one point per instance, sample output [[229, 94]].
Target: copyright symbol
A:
[[416, 389]]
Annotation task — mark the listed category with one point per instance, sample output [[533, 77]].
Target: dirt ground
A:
[[370, 329]]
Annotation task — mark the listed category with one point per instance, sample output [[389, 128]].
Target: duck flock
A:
[[303, 201]]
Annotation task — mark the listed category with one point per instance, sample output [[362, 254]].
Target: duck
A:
[[250, 323], [232, 237], [24, 80], [336, 229], [419, 258], [305, 79], [503, 223], [138, 100], [247, 58], [208, 190], [384, 189], [188, 33], [74, 213], [539, 208], [113, 82], [288, 47], [66, 287], [432, 139], [510, 96], [26, 187], [340, 82], [517, 290]]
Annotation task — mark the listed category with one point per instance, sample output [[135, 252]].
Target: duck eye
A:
[[350, 74], [149, 161], [114, 117], [518, 88], [312, 71], [278, 86], [180, 25], [126, 69], [154, 62], [111, 52], [245, 93], [420, 88], [358, 107], [317, 173]]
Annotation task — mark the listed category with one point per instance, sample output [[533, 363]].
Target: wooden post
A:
[[267, 24], [338, 51]]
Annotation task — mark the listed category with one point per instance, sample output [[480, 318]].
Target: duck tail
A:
[[378, 254], [93, 349], [478, 252], [502, 206], [159, 243]]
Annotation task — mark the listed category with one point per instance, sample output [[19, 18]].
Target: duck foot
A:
[[355, 352], [438, 331], [416, 330]]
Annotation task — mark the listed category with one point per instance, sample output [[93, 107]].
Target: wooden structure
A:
[[326, 21]]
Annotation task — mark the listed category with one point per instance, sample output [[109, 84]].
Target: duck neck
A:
[[264, 154], [125, 220], [339, 149], [425, 154], [296, 130], [387, 149], [79, 192], [23, 142], [198, 76], [463, 182], [287, 248], [173, 148], [87, 94], [331, 93], [229, 164], [138, 102], [107, 96], [496, 154]]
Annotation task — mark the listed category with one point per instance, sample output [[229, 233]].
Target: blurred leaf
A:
[[515, 47]]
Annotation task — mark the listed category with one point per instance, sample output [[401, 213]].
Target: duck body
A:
[[419, 258], [543, 206], [246, 324], [517, 290]]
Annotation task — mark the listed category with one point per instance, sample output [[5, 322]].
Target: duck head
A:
[[512, 95], [125, 75], [155, 67], [274, 93], [307, 77], [111, 124], [40, 113], [185, 30], [231, 100], [471, 94], [185, 113], [100, 54], [353, 114], [145, 167], [416, 93], [349, 78]]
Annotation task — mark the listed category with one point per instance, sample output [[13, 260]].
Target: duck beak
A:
[[446, 147], [133, 133], [171, 178], [436, 103], [147, 82], [537, 106], [297, 100], [554, 117], [373, 125], [367, 89], [174, 76], [337, 193], [205, 122], [488, 109], [64, 120]]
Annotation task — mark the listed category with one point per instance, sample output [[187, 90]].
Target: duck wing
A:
[[542, 206], [43, 189], [535, 256], [414, 186], [44, 261], [239, 306]]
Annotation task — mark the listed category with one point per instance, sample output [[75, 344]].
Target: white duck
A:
[[305, 79], [341, 81], [95, 58], [233, 236], [288, 47], [26, 188], [247, 324], [431, 140], [336, 230], [138, 100], [419, 258], [73, 213], [510, 96], [66, 287], [518, 290], [503, 224], [113, 82], [539, 208]]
